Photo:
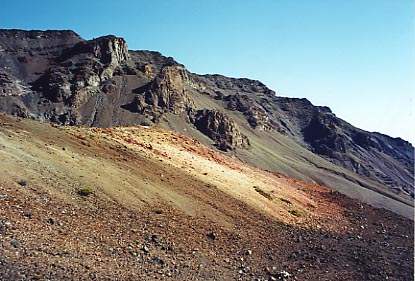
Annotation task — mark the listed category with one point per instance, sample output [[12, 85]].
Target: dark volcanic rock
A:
[[256, 116], [26, 54], [219, 127], [322, 134], [82, 69], [360, 151]]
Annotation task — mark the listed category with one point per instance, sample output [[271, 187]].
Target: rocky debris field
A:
[[142, 203]]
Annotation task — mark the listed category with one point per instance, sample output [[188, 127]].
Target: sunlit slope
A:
[[274, 152], [140, 166]]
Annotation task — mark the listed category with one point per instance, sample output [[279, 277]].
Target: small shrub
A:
[[22, 182], [285, 200], [295, 213], [263, 193], [86, 191]]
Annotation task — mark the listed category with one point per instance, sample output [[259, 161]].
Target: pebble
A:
[[155, 239], [16, 244], [145, 249], [27, 214], [212, 236]]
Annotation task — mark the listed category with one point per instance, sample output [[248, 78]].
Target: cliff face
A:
[[167, 90], [57, 76], [221, 128], [80, 71]]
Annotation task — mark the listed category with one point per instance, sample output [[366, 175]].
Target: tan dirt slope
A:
[[164, 206]]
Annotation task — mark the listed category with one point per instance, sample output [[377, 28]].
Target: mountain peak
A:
[[108, 49]]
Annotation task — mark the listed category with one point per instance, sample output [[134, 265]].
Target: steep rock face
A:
[[150, 63], [24, 57], [361, 152], [168, 91], [322, 134], [109, 51], [81, 69], [221, 128], [256, 116]]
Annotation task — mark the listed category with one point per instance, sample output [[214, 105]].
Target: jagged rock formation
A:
[[57, 76], [219, 127], [82, 69], [166, 92]]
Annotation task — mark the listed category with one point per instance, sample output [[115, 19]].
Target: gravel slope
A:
[[165, 207]]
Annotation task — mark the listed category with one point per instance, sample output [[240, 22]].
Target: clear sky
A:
[[355, 56]]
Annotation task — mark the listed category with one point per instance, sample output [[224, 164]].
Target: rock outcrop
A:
[[256, 116], [82, 69], [221, 128], [167, 91], [10, 85]]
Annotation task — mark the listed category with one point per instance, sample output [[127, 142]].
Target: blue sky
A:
[[355, 56]]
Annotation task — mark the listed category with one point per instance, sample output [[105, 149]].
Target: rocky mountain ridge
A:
[[57, 76]]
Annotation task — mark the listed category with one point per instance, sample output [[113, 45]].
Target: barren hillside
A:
[[148, 203]]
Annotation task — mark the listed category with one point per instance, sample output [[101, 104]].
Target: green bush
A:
[[22, 182], [85, 191]]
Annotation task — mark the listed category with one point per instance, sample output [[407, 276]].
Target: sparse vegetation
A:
[[263, 193], [285, 200], [295, 213], [85, 191], [22, 182]]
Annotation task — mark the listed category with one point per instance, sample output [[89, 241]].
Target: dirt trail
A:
[[165, 207]]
